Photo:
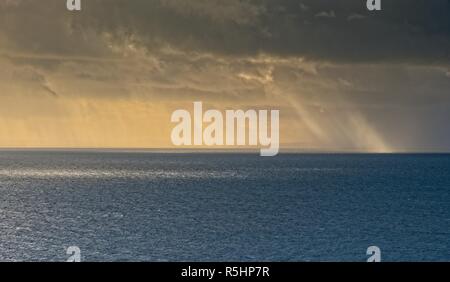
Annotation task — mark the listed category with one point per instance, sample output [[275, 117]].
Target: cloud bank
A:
[[345, 78]]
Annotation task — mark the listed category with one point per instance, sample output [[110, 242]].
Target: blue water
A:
[[222, 207]]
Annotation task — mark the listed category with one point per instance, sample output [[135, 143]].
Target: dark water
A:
[[202, 207]]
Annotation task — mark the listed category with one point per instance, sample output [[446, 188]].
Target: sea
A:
[[178, 206]]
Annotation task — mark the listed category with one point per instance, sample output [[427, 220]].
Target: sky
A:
[[343, 78]]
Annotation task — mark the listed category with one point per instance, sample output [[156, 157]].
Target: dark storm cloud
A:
[[409, 31], [412, 31]]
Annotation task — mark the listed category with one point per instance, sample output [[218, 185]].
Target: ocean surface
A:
[[135, 206]]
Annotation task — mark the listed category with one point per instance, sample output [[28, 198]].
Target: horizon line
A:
[[218, 150]]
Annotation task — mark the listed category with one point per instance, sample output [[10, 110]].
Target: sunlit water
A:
[[242, 207]]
